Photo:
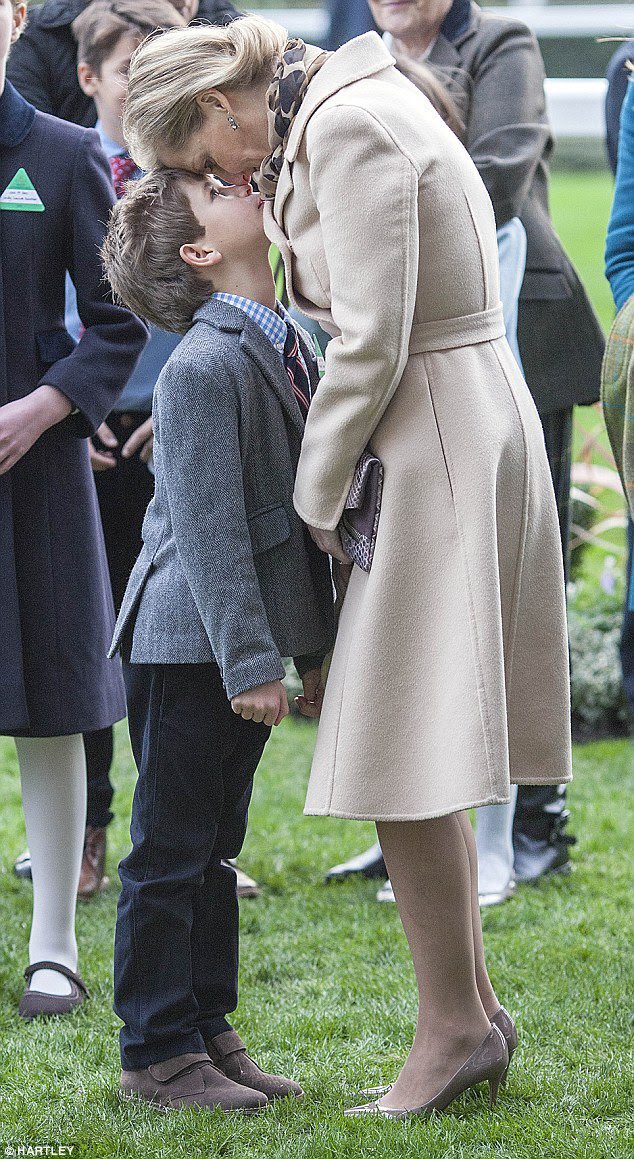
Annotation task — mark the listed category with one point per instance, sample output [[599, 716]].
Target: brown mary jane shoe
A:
[[37, 1004]]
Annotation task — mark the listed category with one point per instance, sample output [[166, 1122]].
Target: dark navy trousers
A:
[[176, 943]]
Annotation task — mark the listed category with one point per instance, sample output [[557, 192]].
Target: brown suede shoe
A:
[[91, 876], [228, 1052], [189, 1080], [37, 1004]]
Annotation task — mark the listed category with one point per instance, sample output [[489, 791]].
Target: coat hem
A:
[[493, 799]]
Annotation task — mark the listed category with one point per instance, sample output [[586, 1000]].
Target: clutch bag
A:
[[360, 520]]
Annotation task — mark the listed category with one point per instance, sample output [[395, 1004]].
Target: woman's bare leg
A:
[[429, 868], [483, 982]]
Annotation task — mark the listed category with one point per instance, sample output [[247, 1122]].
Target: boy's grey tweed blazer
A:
[[227, 571]]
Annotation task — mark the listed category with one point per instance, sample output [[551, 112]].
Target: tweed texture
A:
[[617, 395], [227, 571], [450, 671]]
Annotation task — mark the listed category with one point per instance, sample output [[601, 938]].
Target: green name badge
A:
[[21, 193]]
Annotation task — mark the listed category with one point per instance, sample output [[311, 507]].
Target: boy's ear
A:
[[199, 256], [88, 80]]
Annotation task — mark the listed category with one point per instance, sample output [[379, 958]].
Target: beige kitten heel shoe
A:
[[488, 1063]]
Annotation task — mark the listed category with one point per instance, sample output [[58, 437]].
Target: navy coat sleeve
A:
[[617, 77], [95, 373]]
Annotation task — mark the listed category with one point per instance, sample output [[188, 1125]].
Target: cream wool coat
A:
[[450, 671]]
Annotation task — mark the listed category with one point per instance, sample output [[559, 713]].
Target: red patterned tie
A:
[[122, 169], [299, 379]]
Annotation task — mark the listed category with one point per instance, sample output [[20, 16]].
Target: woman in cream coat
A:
[[450, 672]]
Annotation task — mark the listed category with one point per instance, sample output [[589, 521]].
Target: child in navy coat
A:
[[55, 678]]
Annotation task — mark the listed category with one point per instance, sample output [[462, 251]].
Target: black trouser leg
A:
[[99, 748], [177, 925], [536, 804], [123, 494]]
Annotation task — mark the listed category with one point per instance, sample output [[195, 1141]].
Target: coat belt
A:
[[450, 333]]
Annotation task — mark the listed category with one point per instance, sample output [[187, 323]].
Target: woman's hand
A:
[[329, 542], [23, 421], [310, 703], [265, 704], [143, 438]]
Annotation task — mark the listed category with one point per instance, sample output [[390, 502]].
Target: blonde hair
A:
[[170, 71]]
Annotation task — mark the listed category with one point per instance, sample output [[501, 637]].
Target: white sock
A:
[[494, 839], [53, 773]]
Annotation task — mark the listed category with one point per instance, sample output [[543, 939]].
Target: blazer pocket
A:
[[268, 529], [53, 345]]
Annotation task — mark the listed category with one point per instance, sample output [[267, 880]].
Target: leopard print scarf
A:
[[284, 97]]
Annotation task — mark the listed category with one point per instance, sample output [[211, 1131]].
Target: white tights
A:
[[53, 773]]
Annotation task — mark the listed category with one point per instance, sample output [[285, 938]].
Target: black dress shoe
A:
[[22, 866], [535, 858], [368, 864]]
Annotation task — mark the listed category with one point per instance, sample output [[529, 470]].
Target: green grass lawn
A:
[[328, 993]]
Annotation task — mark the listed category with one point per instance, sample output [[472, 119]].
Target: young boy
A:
[[227, 583]]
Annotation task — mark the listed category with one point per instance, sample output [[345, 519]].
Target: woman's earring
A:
[[232, 121]]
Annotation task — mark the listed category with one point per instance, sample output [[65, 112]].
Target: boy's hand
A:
[[103, 460], [23, 421], [310, 703], [265, 704], [142, 437], [329, 542]]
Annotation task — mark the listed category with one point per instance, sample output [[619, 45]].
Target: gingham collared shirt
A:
[[272, 323]]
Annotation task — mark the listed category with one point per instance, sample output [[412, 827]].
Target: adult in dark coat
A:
[[57, 616], [55, 678], [43, 64], [618, 75]]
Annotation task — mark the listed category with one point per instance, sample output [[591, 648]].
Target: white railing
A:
[[576, 108]]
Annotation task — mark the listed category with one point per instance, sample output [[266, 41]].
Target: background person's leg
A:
[[53, 774], [627, 629], [494, 841]]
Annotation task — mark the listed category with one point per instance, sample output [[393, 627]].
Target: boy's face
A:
[[11, 20], [109, 86], [231, 216]]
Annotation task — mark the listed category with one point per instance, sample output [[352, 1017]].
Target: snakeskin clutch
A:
[[360, 520]]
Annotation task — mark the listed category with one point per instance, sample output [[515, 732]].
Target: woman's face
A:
[[232, 154], [409, 18]]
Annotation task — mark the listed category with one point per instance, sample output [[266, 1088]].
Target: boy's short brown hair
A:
[[99, 28], [141, 254]]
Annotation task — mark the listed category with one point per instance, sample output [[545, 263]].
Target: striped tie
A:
[[298, 377]]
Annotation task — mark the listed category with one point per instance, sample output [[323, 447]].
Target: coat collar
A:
[[224, 316], [356, 60], [16, 117]]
